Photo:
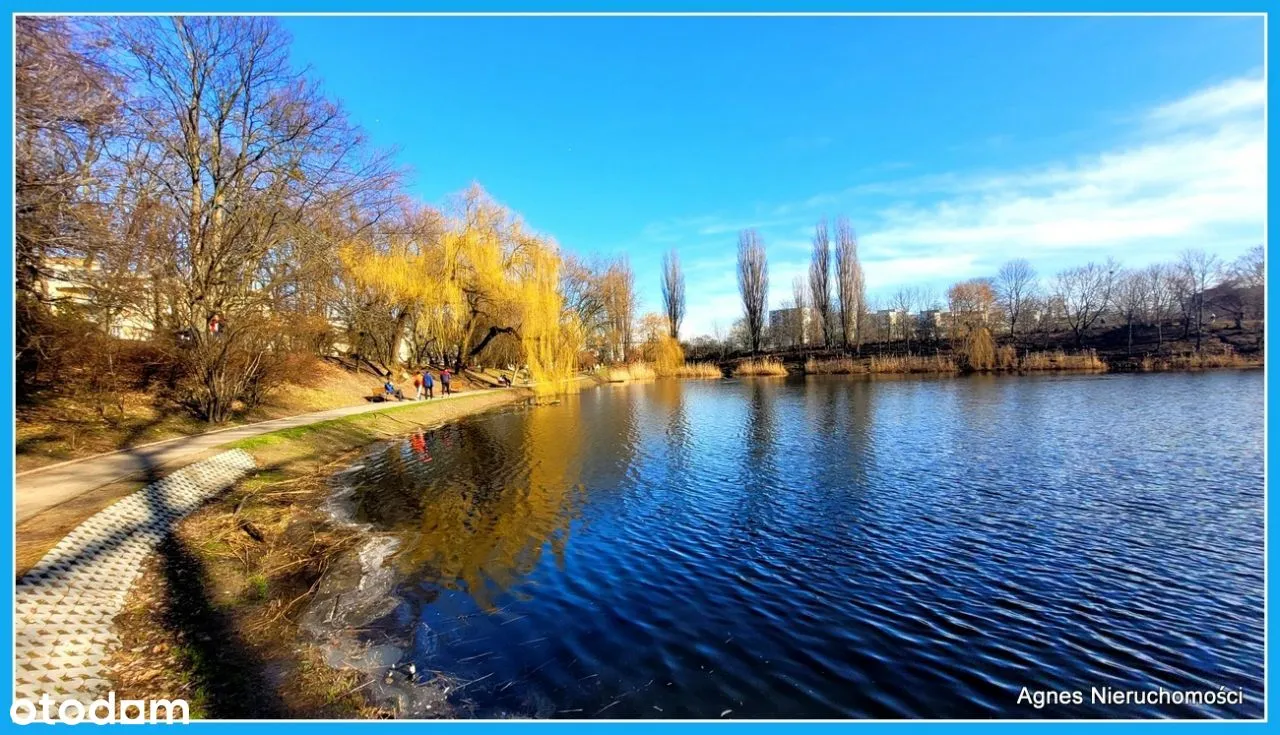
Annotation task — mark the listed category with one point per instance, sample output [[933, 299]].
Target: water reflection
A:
[[836, 548]]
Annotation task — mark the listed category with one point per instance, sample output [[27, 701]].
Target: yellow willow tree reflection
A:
[[474, 283], [488, 533]]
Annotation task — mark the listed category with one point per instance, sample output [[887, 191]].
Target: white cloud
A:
[[1191, 174], [1244, 95]]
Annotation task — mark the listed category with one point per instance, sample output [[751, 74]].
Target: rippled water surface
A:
[[835, 547]]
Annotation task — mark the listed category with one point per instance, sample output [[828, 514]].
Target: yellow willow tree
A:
[[478, 276]]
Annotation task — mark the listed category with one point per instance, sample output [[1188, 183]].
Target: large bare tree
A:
[[673, 292], [753, 284], [905, 302], [67, 110], [1160, 300], [1085, 293], [850, 287], [1200, 270], [1131, 293], [1015, 288], [800, 310], [820, 280], [246, 153]]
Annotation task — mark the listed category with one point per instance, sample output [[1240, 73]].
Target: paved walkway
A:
[[64, 607], [45, 487]]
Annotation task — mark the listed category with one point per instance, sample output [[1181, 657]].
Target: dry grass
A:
[[701, 370], [763, 366], [835, 366], [62, 427], [1199, 361], [1007, 358], [913, 364], [215, 617], [1059, 360], [630, 372]]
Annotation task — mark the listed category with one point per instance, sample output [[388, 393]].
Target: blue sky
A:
[[952, 144]]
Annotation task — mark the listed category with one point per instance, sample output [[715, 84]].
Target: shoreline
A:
[[216, 617]]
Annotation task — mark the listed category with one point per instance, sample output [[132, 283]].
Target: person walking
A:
[[428, 383], [417, 386], [444, 382]]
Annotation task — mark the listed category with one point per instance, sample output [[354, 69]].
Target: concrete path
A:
[[65, 606], [45, 487]]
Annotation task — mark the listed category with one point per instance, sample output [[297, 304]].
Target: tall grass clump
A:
[[912, 364], [1059, 360], [630, 372], [701, 370], [1007, 358], [834, 366], [1228, 358], [760, 366]]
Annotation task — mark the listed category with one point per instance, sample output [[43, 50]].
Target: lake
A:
[[835, 547]]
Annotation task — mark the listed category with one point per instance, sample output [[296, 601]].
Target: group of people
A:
[[423, 385]]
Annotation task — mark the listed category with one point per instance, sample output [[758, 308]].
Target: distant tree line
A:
[[829, 308]]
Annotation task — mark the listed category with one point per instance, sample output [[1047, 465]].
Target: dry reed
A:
[[1198, 361], [702, 370], [913, 364], [760, 366], [631, 372], [835, 366], [1059, 360]]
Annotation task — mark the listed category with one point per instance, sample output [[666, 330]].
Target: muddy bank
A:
[[221, 616]]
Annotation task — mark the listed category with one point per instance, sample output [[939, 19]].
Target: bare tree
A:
[[66, 113], [1015, 286], [673, 291], [1160, 298], [1242, 292], [800, 296], [1085, 293], [247, 152], [1200, 269], [1250, 269], [753, 284], [820, 280], [1131, 294], [849, 285], [904, 303], [619, 308]]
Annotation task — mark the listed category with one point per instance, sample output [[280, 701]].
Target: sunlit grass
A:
[[913, 364], [702, 370], [760, 366], [630, 372], [1198, 361], [1059, 360]]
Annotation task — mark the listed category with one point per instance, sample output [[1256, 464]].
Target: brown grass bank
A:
[[65, 425], [1197, 361], [214, 617], [1005, 359]]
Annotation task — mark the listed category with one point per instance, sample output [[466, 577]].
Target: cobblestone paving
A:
[[64, 606]]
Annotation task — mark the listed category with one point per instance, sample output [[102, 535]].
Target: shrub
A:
[[668, 356]]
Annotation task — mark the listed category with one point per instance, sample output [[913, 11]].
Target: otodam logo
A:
[[100, 711]]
